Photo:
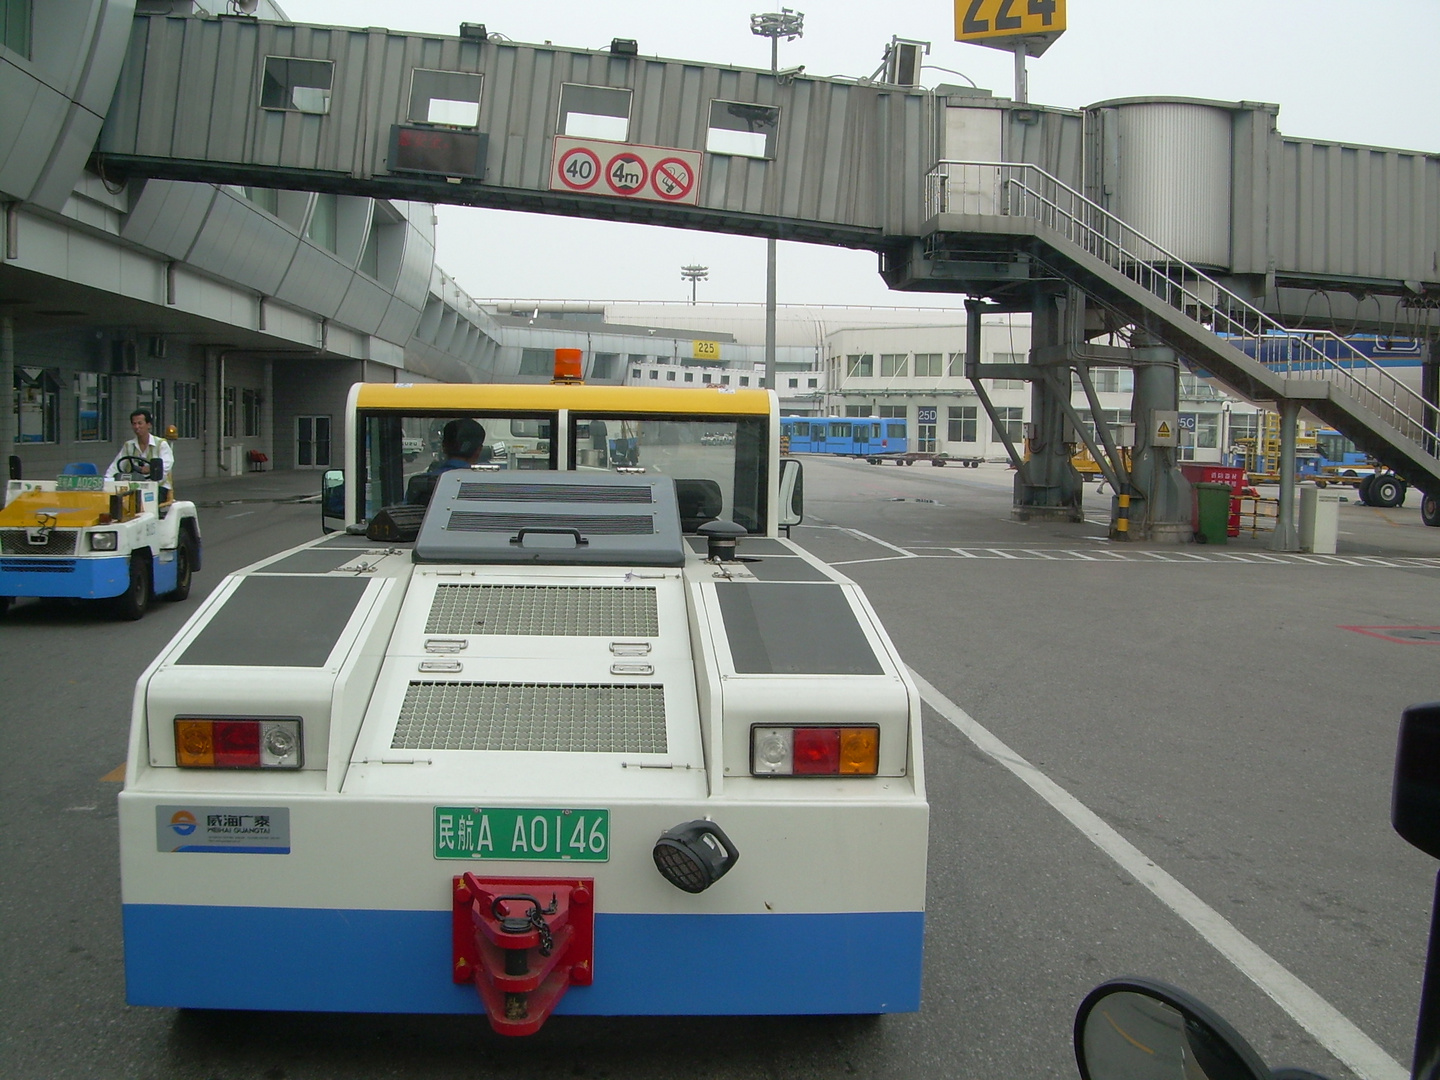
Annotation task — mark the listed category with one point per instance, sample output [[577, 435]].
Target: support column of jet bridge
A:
[[1049, 489], [1160, 503]]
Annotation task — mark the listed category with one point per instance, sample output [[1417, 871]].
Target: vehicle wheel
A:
[[135, 600], [1362, 490], [184, 565], [1430, 509], [1387, 491], [5, 601]]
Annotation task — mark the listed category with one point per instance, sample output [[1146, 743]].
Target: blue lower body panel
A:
[[306, 959], [88, 579]]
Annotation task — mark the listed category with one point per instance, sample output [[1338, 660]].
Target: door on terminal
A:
[[312, 442], [926, 421]]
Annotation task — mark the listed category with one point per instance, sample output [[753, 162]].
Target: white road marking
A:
[[882, 543], [1329, 1027], [243, 513]]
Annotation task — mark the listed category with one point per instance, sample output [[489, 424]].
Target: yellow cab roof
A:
[[549, 397]]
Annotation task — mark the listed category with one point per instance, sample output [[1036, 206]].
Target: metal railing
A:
[[1021, 190]]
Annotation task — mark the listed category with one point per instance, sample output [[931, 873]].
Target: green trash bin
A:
[[1212, 513]]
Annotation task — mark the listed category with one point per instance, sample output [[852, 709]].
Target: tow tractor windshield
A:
[[719, 463]]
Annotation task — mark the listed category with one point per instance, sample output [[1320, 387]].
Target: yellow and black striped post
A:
[[1120, 527]]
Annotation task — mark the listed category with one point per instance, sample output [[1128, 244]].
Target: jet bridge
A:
[[1186, 231]]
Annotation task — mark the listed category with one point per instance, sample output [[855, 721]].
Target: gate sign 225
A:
[[978, 20]]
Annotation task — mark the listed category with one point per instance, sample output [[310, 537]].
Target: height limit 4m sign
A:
[[625, 170]]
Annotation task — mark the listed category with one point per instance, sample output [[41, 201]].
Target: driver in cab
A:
[[137, 453]]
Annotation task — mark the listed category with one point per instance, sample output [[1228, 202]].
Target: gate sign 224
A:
[[995, 22]]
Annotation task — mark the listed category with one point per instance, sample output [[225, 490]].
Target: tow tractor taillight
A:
[[237, 743], [815, 751]]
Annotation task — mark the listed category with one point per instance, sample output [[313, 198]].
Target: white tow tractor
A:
[[574, 730], [88, 537]]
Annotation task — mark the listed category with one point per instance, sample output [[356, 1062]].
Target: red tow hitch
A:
[[523, 942]]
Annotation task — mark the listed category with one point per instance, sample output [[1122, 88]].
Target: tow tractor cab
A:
[[89, 537], [571, 749]]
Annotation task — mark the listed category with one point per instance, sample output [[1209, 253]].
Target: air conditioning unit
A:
[[124, 358], [903, 61]]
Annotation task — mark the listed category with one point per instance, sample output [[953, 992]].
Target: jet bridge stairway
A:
[[996, 230]]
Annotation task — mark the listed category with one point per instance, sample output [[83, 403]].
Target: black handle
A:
[[519, 537]]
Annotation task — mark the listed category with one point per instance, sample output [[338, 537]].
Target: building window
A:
[[603, 365], [594, 112], [451, 98], [744, 380], [537, 362], [689, 376], [705, 378], [894, 365], [724, 380], [812, 383], [92, 407], [37, 405], [1007, 384], [861, 366], [793, 383], [928, 365], [296, 85], [15, 26], [654, 375], [669, 376], [638, 358], [150, 395], [892, 412], [186, 399], [857, 410], [1011, 421], [250, 412], [957, 365], [741, 129], [635, 373], [962, 423], [324, 227], [227, 414]]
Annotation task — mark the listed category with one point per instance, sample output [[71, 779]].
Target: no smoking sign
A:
[[629, 170]]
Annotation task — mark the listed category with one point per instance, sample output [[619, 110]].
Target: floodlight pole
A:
[[774, 25], [1022, 81], [694, 274]]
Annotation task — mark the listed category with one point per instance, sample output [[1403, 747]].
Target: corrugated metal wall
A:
[[1356, 211], [849, 156], [1174, 176]]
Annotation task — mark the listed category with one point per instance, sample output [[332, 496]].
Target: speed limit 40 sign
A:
[[625, 170]]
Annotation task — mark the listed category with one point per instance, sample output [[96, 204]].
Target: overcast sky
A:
[[1359, 71]]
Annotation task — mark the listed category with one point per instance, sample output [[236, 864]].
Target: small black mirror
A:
[[1415, 799], [1138, 1029], [332, 498], [157, 470], [792, 494]]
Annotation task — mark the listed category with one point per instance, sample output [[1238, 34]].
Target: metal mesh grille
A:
[[16, 542], [547, 610], [563, 493], [587, 524], [565, 717]]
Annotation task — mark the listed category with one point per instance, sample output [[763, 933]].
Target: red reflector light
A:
[[237, 744], [817, 751]]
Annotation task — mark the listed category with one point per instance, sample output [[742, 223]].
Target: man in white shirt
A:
[[145, 447]]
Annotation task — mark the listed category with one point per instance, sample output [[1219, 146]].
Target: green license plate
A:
[[508, 832], [79, 483]]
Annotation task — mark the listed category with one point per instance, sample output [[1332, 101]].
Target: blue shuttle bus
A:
[[847, 436]]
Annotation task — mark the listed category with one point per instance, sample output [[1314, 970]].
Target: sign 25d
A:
[[977, 19]]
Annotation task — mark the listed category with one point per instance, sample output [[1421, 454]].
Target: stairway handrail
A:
[[1122, 258]]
